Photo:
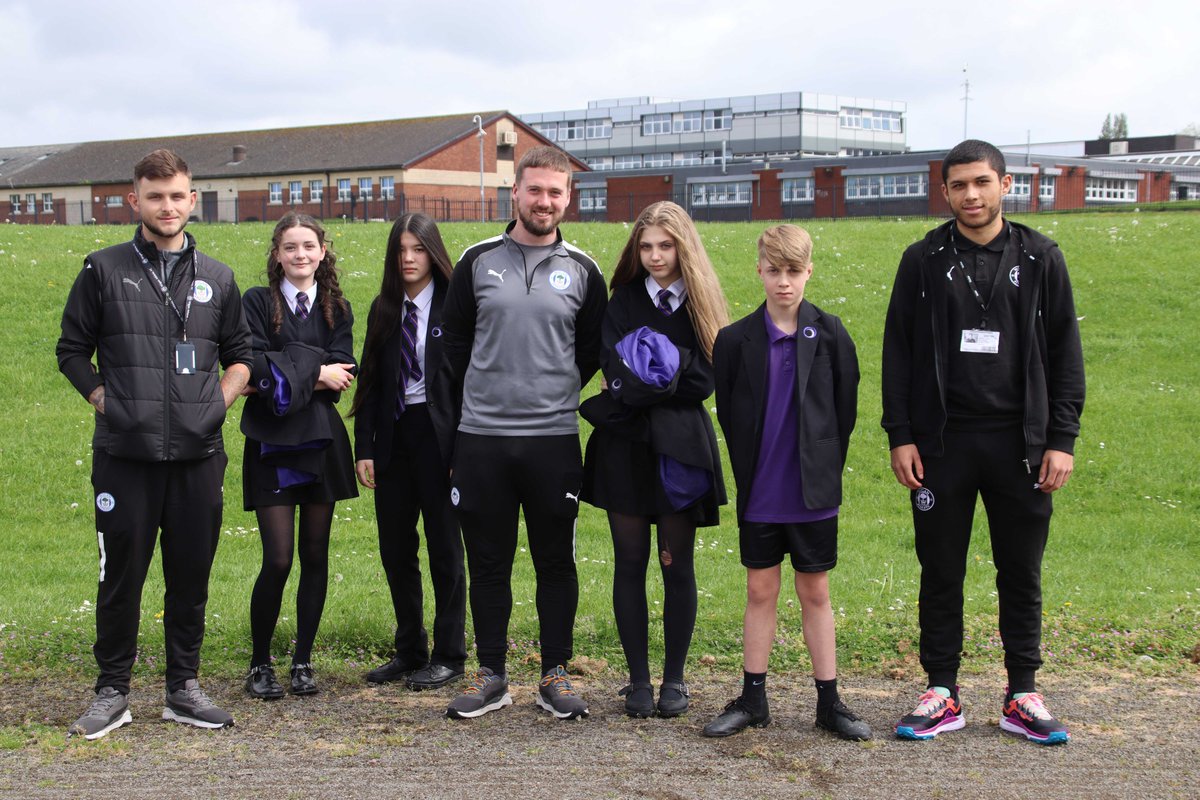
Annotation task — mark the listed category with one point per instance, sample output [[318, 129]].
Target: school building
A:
[[365, 170]]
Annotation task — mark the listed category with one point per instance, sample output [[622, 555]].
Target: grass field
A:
[[1122, 570]]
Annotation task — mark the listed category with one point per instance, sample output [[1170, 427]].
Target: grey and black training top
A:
[[522, 328]]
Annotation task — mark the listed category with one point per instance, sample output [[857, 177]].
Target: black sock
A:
[[827, 693], [754, 687]]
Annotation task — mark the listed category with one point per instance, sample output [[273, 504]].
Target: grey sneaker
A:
[[486, 692], [558, 696], [191, 706], [109, 711]]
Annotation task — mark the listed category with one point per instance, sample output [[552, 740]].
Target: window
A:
[[295, 192], [599, 129], [1115, 190], [627, 162], [30, 203], [387, 188], [797, 190], [688, 122], [315, 190], [721, 194], [1046, 187], [655, 124], [593, 199], [570, 131], [657, 160], [690, 159], [274, 192], [1022, 186], [364, 188], [871, 120], [48, 202], [114, 201], [599, 162], [15, 199], [864, 186], [547, 129], [344, 190], [721, 120]]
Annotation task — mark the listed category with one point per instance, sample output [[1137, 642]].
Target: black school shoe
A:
[[261, 683], [432, 676], [673, 699], [738, 716], [394, 670], [303, 681], [843, 722], [639, 700]]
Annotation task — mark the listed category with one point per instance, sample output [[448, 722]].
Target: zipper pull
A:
[[1025, 461]]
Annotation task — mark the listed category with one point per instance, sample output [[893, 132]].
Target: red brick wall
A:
[[769, 203], [628, 196], [117, 215], [938, 207], [829, 188], [1069, 189], [1155, 187]]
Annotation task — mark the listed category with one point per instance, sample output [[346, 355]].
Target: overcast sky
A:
[[76, 71]]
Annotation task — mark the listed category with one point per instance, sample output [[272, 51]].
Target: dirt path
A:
[[1133, 736]]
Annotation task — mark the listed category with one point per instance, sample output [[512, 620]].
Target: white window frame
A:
[[724, 193], [114, 201], [571, 130], [797, 190], [598, 128], [295, 192], [687, 122], [656, 124], [1046, 187], [48, 202], [316, 189], [547, 129], [387, 187], [689, 158], [593, 199], [656, 160], [1022, 185], [30, 203], [1110, 190], [365, 186], [890, 187], [15, 200], [343, 190], [627, 161], [718, 119], [599, 163]]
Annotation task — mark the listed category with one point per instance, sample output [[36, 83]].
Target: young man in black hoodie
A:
[[982, 391]]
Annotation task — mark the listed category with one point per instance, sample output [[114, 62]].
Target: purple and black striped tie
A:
[[663, 305], [410, 366], [302, 305]]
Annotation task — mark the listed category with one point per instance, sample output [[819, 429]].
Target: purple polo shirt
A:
[[776, 494]]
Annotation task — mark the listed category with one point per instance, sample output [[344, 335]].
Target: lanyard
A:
[[162, 287], [983, 307]]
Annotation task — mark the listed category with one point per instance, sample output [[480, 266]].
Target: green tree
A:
[[1120, 126], [1106, 130]]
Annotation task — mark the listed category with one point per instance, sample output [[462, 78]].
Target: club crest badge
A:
[[1014, 275], [105, 502], [924, 499], [202, 293], [810, 332], [560, 280], [454, 496]]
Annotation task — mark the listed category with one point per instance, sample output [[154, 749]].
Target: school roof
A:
[[361, 145]]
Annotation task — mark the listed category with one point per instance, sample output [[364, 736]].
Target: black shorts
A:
[[813, 545]]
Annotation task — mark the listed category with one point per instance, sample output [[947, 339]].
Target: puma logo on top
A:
[[135, 284], [499, 274], [574, 497]]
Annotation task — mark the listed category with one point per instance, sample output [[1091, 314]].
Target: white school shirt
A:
[[415, 392], [678, 292]]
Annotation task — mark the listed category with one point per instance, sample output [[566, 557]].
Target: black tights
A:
[[631, 546], [276, 525]]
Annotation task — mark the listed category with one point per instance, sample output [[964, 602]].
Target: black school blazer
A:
[[826, 393], [374, 420]]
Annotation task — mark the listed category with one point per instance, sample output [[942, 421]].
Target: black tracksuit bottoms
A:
[[134, 500], [988, 464], [494, 476], [414, 484]]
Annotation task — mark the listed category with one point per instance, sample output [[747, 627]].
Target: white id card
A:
[[977, 341]]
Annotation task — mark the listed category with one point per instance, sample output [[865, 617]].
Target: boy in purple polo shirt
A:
[[787, 398]]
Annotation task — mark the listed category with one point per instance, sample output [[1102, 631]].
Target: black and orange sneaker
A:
[[486, 692], [934, 714], [1028, 717], [558, 696]]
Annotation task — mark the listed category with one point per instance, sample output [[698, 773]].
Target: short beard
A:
[[536, 228], [162, 234]]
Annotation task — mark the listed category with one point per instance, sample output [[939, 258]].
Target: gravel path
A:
[[1132, 736]]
